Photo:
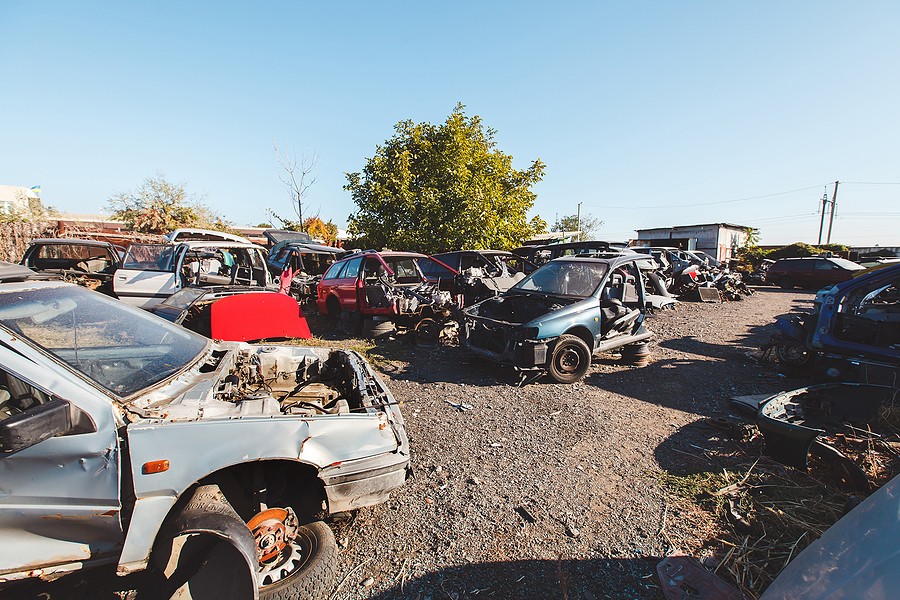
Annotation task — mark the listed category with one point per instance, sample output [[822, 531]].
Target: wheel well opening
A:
[[584, 334], [273, 483]]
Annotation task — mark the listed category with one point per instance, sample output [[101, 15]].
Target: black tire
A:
[[350, 321], [333, 307], [315, 578], [372, 328], [786, 283], [205, 551], [570, 360]]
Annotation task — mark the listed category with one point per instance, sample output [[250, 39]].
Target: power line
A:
[[812, 187]]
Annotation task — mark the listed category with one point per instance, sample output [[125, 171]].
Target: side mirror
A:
[[24, 430]]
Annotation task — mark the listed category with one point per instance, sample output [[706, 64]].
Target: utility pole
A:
[[831, 218], [822, 220], [578, 221]]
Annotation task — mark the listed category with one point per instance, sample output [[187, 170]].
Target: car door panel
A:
[[60, 498]]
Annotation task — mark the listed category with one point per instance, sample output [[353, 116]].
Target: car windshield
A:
[[149, 257], [564, 278], [122, 348]]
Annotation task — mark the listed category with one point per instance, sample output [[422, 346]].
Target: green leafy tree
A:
[[159, 206], [588, 225], [442, 187], [537, 225]]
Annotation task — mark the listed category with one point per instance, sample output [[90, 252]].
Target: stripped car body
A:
[[482, 273], [151, 273], [110, 419], [90, 263], [387, 286], [555, 318]]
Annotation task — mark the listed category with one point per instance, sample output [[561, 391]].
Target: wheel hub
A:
[[273, 529], [569, 360]]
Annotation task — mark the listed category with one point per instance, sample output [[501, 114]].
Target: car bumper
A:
[[499, 343], [365, 482]]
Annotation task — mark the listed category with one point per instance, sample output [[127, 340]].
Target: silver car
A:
[[126, 439]]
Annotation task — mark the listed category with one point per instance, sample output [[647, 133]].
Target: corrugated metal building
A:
[[719, 240]]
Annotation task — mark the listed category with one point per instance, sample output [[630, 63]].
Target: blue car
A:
[[855, 326], [555, 319]]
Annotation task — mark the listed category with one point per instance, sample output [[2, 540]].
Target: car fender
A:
[[196, 449]]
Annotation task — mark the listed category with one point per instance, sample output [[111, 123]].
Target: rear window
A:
[[846, 264]]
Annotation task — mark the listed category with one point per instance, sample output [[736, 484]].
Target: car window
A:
[[352, 269], [150, 257], [17, 396], [435, 270], [824, 265], [405, 270], [564, 278], [846, 264], [121, 348], [334, 270]]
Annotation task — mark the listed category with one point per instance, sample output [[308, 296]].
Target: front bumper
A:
[[500, 343], [365, 482]]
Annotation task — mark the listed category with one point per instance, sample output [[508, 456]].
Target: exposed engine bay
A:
[[243, 380], [408, 300], [519, 309]]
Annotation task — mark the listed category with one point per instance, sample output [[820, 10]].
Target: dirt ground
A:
[[548, 490]]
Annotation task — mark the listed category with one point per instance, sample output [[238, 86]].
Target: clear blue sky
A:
[[629, 104]]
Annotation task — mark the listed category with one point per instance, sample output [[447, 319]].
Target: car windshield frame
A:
[[119, 348], [557, 270]]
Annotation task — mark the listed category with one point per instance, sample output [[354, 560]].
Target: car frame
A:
[[89, 262], [558, 333], [112, 451]]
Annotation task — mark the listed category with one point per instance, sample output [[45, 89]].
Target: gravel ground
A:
[[548, 490]]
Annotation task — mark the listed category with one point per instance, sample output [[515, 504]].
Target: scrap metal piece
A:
[[791, 421], [683, 578]]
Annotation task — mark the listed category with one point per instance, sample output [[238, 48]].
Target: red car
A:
[[389, 285]]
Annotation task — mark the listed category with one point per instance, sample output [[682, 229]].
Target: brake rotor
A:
[[273, 530]]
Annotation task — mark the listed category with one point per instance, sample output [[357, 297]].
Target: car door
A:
[[60, 497], [348, 283], [148, 274]]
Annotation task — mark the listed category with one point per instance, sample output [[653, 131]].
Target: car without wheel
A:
[[555, 319], [126, 439]]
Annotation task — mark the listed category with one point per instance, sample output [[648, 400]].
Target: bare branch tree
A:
[[298, 176]]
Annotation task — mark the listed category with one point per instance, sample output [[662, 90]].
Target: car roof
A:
[[314, 247], [386, 254], [219, 244], [70, 241], [195, 231], [610, 260]]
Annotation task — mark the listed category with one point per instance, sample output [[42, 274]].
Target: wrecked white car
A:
[[126, 439]]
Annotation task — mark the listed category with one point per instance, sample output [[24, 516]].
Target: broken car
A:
[[370, 288], [126, 439], [151, 273], [87, 262], [482, 273], [307, 263], [555, 319]]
